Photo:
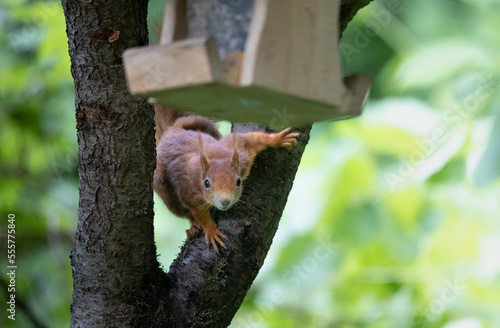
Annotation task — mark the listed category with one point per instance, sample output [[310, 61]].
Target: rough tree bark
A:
[[114, 254], [117, 279]]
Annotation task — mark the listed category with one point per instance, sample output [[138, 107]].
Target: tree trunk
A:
[[117, 279], [114, 255]]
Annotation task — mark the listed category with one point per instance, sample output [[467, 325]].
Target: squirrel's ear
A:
[[204, 164], [203, 160], [235, 141], [235, 160]]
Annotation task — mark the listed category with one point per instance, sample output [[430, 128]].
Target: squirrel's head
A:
[[220, 180]]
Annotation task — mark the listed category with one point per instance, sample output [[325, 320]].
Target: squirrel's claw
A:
[[286, 138], [213, 236], [193, 231]]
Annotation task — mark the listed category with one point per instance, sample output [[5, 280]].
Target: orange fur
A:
[[198, 169]]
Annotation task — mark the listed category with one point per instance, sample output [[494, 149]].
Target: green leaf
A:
[[488, 169]]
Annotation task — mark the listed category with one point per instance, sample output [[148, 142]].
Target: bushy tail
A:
[[164, 118], [198, 123]]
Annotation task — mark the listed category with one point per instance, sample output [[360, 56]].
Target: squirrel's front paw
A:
[[213, 236], [193, 231], [286, 138]]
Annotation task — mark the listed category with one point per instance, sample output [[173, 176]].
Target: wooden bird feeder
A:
[[288, 75]]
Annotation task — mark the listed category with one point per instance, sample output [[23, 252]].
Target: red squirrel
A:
[[197, 168]]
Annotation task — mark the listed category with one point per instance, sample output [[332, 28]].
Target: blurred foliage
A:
[[38, 156], [399, 225], [406, 197]]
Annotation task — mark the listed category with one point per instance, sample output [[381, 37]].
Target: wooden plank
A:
[[232, 67], [292, 48], [357, 86], [250, 104], [174, 25], [182, 63], [253, 41]]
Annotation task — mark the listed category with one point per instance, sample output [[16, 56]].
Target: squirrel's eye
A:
[[207, 184], [238, 182]]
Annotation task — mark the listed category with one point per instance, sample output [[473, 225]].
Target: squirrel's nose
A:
[[225, 202]]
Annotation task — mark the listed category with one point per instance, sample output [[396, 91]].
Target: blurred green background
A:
[[393, 220]]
